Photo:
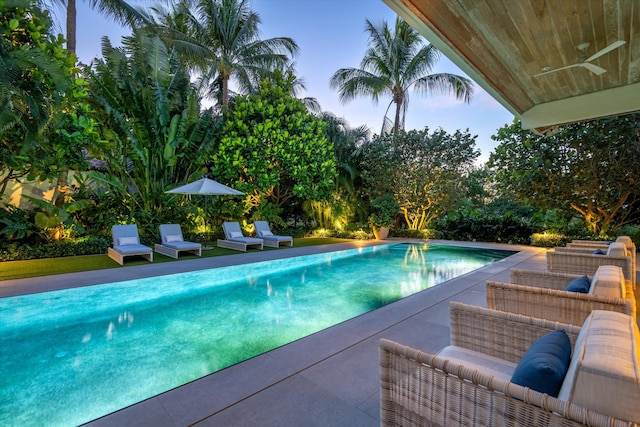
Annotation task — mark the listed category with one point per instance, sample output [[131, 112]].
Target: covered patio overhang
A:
[[515, 51]]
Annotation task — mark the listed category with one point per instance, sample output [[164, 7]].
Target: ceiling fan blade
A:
[[556, 69], [593, 68], [616, 44]]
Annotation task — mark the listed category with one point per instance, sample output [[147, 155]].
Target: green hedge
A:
[[88, 246]]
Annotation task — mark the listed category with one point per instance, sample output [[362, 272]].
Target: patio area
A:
[[327, 379]]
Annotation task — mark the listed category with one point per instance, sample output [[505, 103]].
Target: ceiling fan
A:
[[586, 63]]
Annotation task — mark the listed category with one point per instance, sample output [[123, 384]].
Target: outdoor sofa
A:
[[590, 246], [601, 244], [234, 239], [565, 260], [562, 297], [173, 242], [468, 383], [272, 240], [126, 242]]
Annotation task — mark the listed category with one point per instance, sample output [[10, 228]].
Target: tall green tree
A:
[[591, 168], [274, 150], [426, 173], [223, 42], [44, 117], [397, 61], [155, 133]]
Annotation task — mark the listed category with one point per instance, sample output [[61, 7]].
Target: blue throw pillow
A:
[[579, 284], [599, 252], [544, 365]]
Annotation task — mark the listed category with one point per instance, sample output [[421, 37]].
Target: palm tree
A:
[[118, 10], [395, 62], [223, 40]]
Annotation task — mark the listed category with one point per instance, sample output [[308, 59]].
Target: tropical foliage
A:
[[155, 134], [44, 118], [274, 150], [424, 171], [396, 62], [220, 38], [345, 205], [133, 124], [592, 168]]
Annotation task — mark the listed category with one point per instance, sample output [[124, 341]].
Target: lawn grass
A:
[[45, 267]]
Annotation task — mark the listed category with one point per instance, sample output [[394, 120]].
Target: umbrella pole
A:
[[206, 246]]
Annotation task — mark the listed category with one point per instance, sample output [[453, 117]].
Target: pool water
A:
[[74, 355]]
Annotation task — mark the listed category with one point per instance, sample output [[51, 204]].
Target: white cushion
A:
[[617, 249], [126, 241], [235, 234], [486, 364], [171, 238], [267, 233], [609, 282], [604, 373]]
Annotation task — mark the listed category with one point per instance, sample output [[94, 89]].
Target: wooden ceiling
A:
[[503, 44]]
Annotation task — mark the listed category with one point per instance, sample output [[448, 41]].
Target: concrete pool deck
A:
[[327, 379]]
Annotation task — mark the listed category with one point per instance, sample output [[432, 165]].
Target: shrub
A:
[[87, 246], [416, 234], [549, 239]]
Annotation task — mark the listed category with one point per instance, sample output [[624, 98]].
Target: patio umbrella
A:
[[205, 187]]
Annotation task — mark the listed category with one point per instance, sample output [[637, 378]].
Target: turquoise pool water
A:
[[71, 356]]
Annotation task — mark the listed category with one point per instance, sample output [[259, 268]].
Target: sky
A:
[[331, 35]]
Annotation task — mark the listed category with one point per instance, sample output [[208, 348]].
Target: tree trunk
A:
[[396, 123], [71, 26], [225, 91]]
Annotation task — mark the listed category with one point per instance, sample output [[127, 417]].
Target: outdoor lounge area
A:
[[329, 378]]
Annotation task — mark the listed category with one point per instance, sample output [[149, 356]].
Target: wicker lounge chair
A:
[[603, 245], [542, 294], [588, 246], [234, 239], [264, 232], [563, 260], [126, 242], [173, 242], [422, 389]]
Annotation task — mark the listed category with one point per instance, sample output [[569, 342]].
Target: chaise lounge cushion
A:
[[608, 281], [544, 365], [580, 284], [604, 373]]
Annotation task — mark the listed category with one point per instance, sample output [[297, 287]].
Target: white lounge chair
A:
[[234, 239], [173, 242], [272, 240], [126, 242]]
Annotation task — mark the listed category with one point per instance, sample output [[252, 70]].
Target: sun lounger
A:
[[126, 242], [543, 294], [468, 383], [234, 239], [264, 232], [173, 242]]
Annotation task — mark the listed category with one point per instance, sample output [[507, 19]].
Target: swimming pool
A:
[[65, 365]]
